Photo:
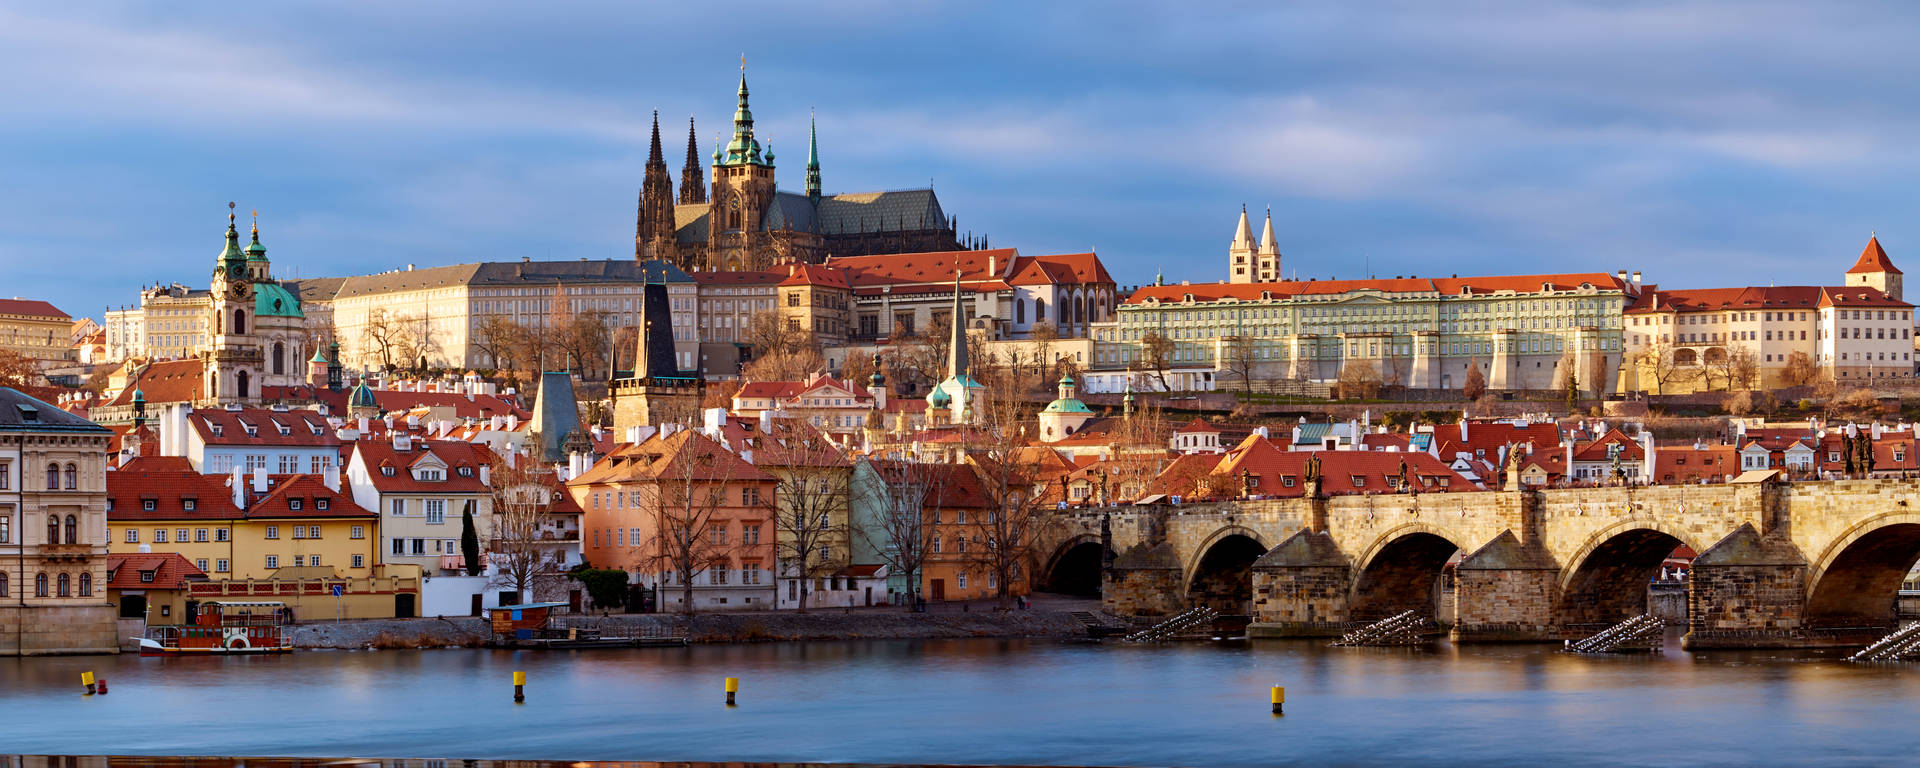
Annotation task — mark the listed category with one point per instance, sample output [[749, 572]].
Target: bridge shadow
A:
[[1405, 575], [1611, 583], [1860, 585], [1075, 570], [1223, 579]]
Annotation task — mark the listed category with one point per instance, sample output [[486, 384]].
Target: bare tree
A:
[[1597, 375], [1799, 371], [1743, 369], [905, 496], [584, 341], [688, 505], [1156, 355], [386, 335], [1240, 357], [1657, 361], [521, 503], [1005, 542], [1359, 381], [784, 366], [502, 341], [812, 492]]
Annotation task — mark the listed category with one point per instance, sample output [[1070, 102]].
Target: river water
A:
[[984, 702]]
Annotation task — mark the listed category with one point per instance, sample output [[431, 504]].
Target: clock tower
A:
[[232, 374]]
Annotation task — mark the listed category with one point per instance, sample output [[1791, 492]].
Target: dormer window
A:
[[430, 474], [189, 504], [284, 429], [386, 471], [322, 504], [293, 503], [252, 431], [217, 431], [148, 504], [146, 577], [466, 471], [315, 428]]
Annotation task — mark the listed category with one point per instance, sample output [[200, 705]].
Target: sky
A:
[[1705, 144]]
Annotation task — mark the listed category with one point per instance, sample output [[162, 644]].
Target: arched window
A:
[[1020, 311], [3, 585], [279, 355], [86, 585], [73, 477], [73, 530], [53, 529], [66, 585], [240, 384], [239, 322], [1039, 310], [40, 585], [53, 477]]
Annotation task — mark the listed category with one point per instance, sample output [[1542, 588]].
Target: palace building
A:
[[738, 218]]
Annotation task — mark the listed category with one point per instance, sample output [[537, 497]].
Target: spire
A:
[[231, 253], [1873, 259], [256, 251], [744, 149], [1243, 234], [693, 187], [655, 220], [653, 153], [813, 158], [1267, 245], [957, 346]]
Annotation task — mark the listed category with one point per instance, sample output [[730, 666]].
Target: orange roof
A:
[[813, 274], [769, 277], [1057, 269], [1873, 259], [1758, 297], [1630, 450], [932, 267], [1687, 464], [1343, 472], [169, 569], [378, 454], [168, 381], [32, 307], [1438, 285]]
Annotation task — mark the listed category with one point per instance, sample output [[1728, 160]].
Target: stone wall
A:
[[58, 630]]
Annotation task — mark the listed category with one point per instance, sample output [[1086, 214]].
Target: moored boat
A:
[[228, 627]]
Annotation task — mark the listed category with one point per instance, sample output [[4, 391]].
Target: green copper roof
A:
[[271, 300], [362, 397], [232, 251], [938, 398], [318, 356], [1067, 405]]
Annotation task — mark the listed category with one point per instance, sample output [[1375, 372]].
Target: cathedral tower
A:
[[1240, 258], [742, 191], [813, 160], [693, 189], [654, 232], [1268, 259]]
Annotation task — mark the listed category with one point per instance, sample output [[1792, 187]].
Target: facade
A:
[[240, 526], [743, 221], [53, 527], [1415, 332], [1696, 340], [153, 586], [422, 490], [35, 329], [684, 486]]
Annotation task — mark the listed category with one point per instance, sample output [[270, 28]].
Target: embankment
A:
[[709, 628]]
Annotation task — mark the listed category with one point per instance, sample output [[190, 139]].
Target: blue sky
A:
[[1702, 143]]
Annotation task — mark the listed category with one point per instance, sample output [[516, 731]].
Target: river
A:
[[985, 702]]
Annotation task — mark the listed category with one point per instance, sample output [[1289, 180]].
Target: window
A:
[[357, 532], [717, 575], [133, 535], [750, 534], [220, 566], [200, 535], [299, 531], [313, 531], [219, 534], [159, 535], [717, 535], [419, 546], [289, 463], [66, 585], [466, 471], [293, 503], [273, 531], [6, 480], [73, 529], [359, 561], [200, 564], [960, 580], [436, 511], [53, 481], [322, 504], [399, 546], [399, 507], [40, 585], [273, 561]]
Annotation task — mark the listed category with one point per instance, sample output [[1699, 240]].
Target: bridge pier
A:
[[1144, 581], [1749, 591], [1300, 588], [1506, 592]]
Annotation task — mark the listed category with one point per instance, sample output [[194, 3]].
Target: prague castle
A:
[[740, 220]]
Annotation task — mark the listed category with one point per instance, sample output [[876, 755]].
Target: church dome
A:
[[362, 397], [271, 300], [938, 398], [1067, 405]]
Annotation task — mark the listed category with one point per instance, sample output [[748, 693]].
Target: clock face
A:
[[236, 270], [239, 290]]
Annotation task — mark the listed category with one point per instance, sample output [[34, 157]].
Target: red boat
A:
[[223, 628]]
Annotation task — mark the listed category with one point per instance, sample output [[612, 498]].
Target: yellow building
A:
[[35, 329], [159, 504]]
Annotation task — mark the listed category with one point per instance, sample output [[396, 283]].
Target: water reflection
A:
[[982, 702]]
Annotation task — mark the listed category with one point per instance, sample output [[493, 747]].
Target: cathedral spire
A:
[[1243, 234], [656, 221], [653, 153], [744, 149], [230, 256], [957, 346], [693, 180], [813, 158]]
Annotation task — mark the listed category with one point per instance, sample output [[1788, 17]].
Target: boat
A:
[[530, 626], [222, 628]]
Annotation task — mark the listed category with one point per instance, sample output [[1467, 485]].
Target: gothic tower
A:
[[693, 189], [1269, 255], [654, 231], [742, 191], [813, 160], [1241, 267]]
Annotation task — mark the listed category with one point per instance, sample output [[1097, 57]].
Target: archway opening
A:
[[1405, 575], [1612, 583], [1076, 571], [1224, 578], [1861, 586]]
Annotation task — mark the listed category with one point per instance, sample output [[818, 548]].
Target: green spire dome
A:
[[256, 251], [232, 252], [362, 397], [744, 149], [318, 356]]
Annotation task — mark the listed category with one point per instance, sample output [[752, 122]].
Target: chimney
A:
[[494, 422], [260, 480], [331, 477], [513, 421], [402, 442], [993, 264], [486, 475], [363, 425], [238, 484], [1636, 278]]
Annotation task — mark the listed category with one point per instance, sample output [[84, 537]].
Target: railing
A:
[[1901, 645], [1643, 632], [1406, 628], [1185, 621]]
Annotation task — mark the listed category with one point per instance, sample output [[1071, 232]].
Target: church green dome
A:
[[938, 398], [271, 300], [1067, 405], [362, 397]]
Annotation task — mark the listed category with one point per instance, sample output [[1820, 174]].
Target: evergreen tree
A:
[[470, 542]]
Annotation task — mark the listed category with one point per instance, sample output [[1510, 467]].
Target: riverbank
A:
[[466, 631]]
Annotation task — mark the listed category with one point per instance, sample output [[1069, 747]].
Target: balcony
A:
[[66, 552]]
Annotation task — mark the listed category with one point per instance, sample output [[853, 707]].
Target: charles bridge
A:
[[1802, 564]]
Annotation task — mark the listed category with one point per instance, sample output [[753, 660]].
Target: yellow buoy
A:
[[519, 686], [733, 687], [86, 681], [1279, 698]]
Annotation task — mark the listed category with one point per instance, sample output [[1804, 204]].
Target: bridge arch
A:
[[1855, 580], [1221, 574], [1400, 571], [1606, 580], [1074, 567]]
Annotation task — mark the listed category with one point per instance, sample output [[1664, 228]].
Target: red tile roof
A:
[[686, 454], [813, 274], [169, 569], [1630, 449], [303, 428], [1065, 268], [168, 483], [1691, 465], [1485, 438], [167, 381], [768, 278], [377, 455], [1437, 285], [31, 307], [464, 407], [308, 490], [932, 267], [1343, 472], [1873, 259]]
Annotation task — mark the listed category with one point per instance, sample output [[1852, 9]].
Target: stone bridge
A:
[[1780, 564]]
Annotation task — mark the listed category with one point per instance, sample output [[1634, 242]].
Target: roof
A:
[[1197, 426], [685, 454], [271, 300], [167, 381], [21, 412], [1056, 269], [855, 213], [169, 482], [1630, 449], [1449, 286], [936, 267], [305, 489], [170, 571], [1653, 300], [813, 274], [376, 455], [1873, 259], [770, 277], [1490, 436], [949, 486], [514, 273], [297, 428], [1343, 472], [1687, 464], [32, 308]]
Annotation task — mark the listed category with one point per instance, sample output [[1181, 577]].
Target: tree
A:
[[1657, 360], [719, 394], [1569, 379], [919, 360], [502, 342], [1008, 537], [1239, 354], [522, 499], [470, 542], [17, 370], [795, 365], [811, 495], [1742, 369], [1597, 375], [1476, 384], [606, 587], [905, 495], [386, 336], [687, 504], [1359, 380], [1799, 370], [1156, 355], [767, 333], [585, 340]]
